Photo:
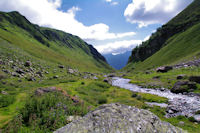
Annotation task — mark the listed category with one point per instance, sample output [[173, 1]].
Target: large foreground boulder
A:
[[118, 118]]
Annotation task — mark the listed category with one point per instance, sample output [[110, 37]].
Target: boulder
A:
[[61, 66], [156, 77], [183, 86], [71, 71], [118, 118], [31, 79], [4, 92], [195, 79], [111, 75], [182, 76], [20, 71], [56, 76], [27, 64], [197, 118], [107, 80], [41, 91], [164, 69], [39, 73]]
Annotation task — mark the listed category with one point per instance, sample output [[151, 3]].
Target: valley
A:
[[53, 81]]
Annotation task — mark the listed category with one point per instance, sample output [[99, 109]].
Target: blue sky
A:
[[111, 26]]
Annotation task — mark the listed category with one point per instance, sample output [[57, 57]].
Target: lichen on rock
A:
[[119, 118]]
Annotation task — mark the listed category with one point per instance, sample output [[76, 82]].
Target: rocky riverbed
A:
[[179, 104]]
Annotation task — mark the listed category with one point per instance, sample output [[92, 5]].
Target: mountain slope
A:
[[47, 45], [173, 42], [118, 61]]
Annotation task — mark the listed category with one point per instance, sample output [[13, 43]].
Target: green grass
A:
[[63, 48], [180, 48], [176, 41], [166, 80]]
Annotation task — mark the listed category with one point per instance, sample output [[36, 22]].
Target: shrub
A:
[[102, 100], [6, 100], [191, 119], [134, 94], [48, 112]]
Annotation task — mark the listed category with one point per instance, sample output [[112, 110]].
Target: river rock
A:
[[164, 69], [195, 79], [118, 118], [197, 118]]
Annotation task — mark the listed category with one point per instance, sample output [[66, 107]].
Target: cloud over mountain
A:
[[146, 12], [47, 13]]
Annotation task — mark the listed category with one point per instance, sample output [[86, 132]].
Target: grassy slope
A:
[[181, 47], [178, 38], [72, 52]]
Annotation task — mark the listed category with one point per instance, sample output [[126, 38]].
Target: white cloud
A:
[[118, 46], [146, 12], [112, 2], [47, 13]]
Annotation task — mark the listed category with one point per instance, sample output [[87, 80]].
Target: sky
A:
[[111, 26]]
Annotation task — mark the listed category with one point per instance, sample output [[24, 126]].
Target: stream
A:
[[178, 104]]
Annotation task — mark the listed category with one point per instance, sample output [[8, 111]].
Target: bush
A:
[[102, 100], [191, 119], [134, 94], [48, 112], [6, 100]]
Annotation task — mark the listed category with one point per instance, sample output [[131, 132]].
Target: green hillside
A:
[[33, 57], [48, 46], [175, 41]]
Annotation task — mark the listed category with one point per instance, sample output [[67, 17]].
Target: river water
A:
[[178, 104]]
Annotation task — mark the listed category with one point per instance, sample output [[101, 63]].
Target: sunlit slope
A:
[[47, 45]]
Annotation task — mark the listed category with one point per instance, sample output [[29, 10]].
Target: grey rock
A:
[[56, 76], [197, 118], [61, 66], [4, 92], [41, 91], [71, 71], [183, 86], [14, 74], [27, 64], [6, 71], [31, 79], [39, 73], [164, 69], [20, 71], [182, 76], [181, 123], [118, 118], [156, 77], [73, 118], [195, 79], [111, 75]]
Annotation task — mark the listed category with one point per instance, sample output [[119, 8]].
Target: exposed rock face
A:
[[117, 118]]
